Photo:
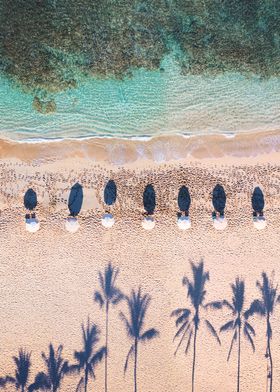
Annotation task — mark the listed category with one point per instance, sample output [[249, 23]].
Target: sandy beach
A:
[[47, 279]]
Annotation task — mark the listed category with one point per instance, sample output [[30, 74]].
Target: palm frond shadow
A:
[[188, 320], [238, 323], [265, 307], [89, 356], [137, 305], [108, 295], [56, 369]]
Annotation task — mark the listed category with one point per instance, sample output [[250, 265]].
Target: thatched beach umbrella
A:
[[107, 220], [32, 225], [71, 224], [148, 223], [184, 223], [259, 223], [219, 223]]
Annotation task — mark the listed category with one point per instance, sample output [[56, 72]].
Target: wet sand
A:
[[119, 152], [47, 279]]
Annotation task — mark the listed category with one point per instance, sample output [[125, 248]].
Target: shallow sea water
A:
[[148, 104]]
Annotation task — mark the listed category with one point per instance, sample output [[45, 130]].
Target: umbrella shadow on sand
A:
[[184, 201], [110, 193], [149, 199], [219, 199], [75, 200], [30, 199], [257, 202]]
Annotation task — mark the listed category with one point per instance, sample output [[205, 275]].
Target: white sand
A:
[[47, 279]]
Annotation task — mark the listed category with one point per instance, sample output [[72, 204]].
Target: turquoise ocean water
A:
[[147, 104], [195, 67]]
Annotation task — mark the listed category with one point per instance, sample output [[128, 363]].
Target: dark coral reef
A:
[[47, 46]]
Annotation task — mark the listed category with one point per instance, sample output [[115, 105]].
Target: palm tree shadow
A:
[[108, 296], [238, 324], [23, 365], [257, 201], [184, 201], [188, 320], [149, 199], [89, 357], [56, 369], [75, 200], [30, 199], [110, 193], [138, 305], [219, 199], [265, 307]]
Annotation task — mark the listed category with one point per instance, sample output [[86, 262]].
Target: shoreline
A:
[[158, 149], [140, 138], [52, 179]]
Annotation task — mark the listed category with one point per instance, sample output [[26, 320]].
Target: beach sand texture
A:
[[47, 279]]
